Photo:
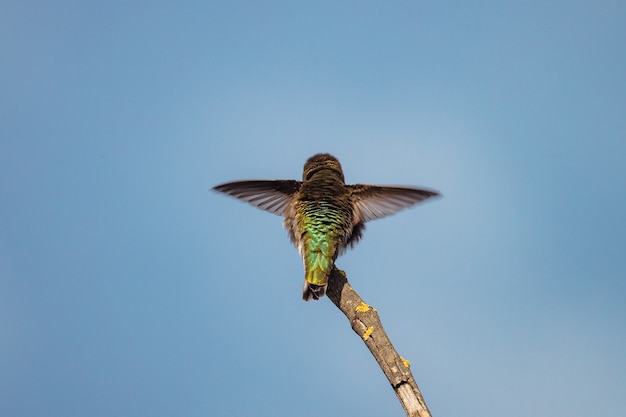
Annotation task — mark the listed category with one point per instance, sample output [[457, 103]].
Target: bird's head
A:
[[321, 162]]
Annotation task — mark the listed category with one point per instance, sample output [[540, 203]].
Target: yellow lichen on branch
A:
[[368, 333], [362, 308]]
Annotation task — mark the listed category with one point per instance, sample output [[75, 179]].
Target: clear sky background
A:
[[129, 288]]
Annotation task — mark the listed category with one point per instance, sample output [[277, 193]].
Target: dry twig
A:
[[366, 323]]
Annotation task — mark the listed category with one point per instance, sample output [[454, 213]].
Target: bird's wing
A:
[[273, 196], [374, 201]]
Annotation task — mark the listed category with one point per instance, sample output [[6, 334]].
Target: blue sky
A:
[[128, 288]]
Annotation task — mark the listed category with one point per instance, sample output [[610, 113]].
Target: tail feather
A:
[[312, 291], [315, 281]]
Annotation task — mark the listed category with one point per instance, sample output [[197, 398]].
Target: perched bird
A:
[[322, 214]]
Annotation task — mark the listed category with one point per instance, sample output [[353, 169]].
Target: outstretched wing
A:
[[374, 202], [273, 196]]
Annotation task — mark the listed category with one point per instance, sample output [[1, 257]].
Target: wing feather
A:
[[273, 196], [374, 201]]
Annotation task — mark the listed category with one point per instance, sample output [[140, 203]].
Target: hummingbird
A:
[[322, 214]]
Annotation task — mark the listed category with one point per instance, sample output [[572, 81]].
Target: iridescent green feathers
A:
[[322, 214]]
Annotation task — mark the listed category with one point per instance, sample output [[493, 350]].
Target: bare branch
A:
[[365, 322]]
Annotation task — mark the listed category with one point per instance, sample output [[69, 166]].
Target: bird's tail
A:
[[313, 291], [315, 283]]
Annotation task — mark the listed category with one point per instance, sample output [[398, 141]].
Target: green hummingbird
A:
[[323, 215]]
